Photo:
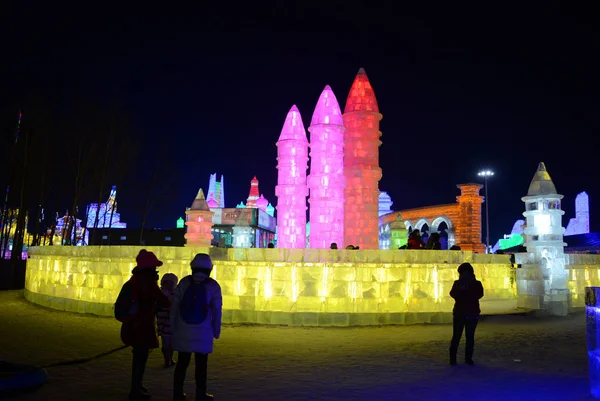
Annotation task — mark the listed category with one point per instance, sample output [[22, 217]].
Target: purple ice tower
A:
[[326, 180], [291, 189]]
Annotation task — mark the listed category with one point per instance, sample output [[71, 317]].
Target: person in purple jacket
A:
[[466, 291]]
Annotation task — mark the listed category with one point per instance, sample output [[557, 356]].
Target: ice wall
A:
[[314, 287]]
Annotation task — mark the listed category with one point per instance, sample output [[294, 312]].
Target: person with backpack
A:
[[196, 322], [136, 307]]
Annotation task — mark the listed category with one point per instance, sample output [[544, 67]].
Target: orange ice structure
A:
[[199, 222], [463, 218], [361, 165]]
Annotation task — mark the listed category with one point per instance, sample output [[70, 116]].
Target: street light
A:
[[486, 174]]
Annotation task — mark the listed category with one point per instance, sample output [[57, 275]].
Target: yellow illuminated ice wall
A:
[[311, 287]]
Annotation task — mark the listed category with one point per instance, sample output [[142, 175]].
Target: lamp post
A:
[[486, 174]]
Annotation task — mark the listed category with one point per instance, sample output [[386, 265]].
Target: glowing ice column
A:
[[592, 309], [326, 180], [199, 222], [291, 189], [361, 164], [544, 239]]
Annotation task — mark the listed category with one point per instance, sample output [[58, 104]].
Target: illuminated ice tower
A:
[[216, 190], [254, 194], [199, 222], [361, 165], [291, 189], [544, 239], [326, 180]]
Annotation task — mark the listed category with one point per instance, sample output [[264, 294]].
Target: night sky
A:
[[196, 92]]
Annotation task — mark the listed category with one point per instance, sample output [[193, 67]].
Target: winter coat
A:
[[141, 331], [467, 291], [163, 315], [197, 337], [415, 243]]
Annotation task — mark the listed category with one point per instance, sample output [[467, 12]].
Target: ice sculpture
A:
[[291, 189], [544, 238], [592, 311], [326, 180], [262, 203], [399, 233], [242, 233], [385, 203], [241, 205], [199, 222], [270, 210], [180, 223], [212, 204], [361, 164], [581, 223], [108, 217], [216, 190], [253, 196]]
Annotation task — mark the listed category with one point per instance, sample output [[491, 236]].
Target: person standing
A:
[[139, 330], [466, 291], [196, 322], [168, 283]]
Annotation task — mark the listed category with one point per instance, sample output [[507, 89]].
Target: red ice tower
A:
[[361, 165], [254, 194]]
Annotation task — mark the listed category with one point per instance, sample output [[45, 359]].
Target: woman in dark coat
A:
[[140, 332], [466, 291]]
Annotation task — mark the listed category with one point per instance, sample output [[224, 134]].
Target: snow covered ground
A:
[[518, 358]]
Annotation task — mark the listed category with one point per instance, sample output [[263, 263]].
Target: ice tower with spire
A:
[[545, 246], [361, 165], [254, 194], [326, 180], [291, 189], [199, 222]]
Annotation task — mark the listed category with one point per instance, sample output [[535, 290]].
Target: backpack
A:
[[126, 308], [193, 308]]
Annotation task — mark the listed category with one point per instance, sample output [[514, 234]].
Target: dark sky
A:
[[203, 91]]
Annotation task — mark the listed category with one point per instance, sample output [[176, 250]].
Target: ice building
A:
[[326, 181], [216, 190], [291, 189], [242, 233], [361, 164], [199, 222], [107, 214], [385, 203], [254, 194], [581, 223], [545, 247]]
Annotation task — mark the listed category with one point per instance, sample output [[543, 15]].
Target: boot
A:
[[204, 397], [179, 396], [452, 357]]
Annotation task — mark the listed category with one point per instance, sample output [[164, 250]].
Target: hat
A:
[[147, 260], [202, 261], [169, 277]]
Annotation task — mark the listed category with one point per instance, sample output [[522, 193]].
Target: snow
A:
[[518, 358]]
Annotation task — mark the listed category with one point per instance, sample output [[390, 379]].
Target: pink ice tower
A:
[[361, 165], [291, 189], [326, 181]]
